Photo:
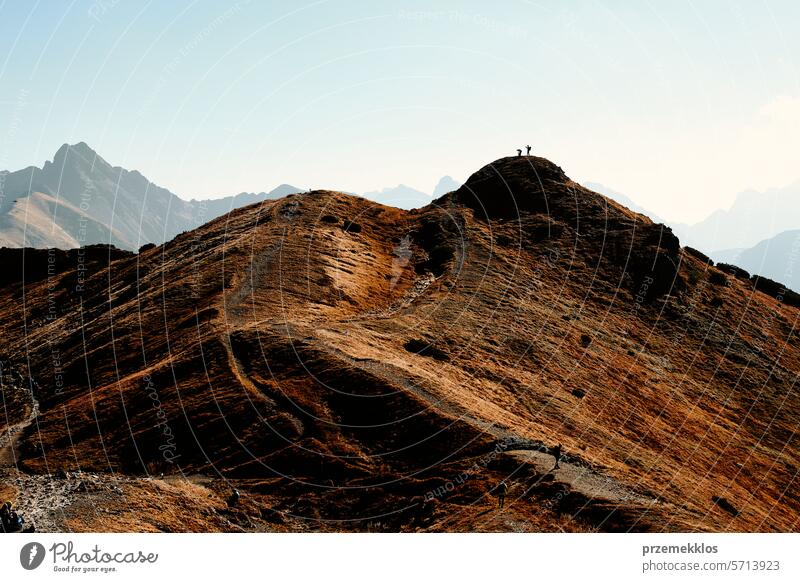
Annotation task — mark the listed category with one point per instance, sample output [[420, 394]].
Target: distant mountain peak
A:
[[76, 155], [398, 187], [623, 199], [446, 184], [81, 148], [401, 196]]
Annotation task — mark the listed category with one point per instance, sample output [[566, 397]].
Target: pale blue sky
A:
[[678, 104]]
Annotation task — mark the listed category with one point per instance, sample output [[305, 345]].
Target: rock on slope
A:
[[351, 366]]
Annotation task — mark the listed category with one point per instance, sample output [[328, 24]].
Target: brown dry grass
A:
[[276, 344]]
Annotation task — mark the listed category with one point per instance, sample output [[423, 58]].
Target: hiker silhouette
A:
[[557, 455], [529, 150], [11, 521], [519, 153], [502, 490], [5, 515]]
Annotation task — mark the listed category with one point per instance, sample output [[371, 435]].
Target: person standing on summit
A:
[[519, 153], [529, 150]]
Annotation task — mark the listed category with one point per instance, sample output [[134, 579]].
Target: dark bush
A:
[[542, 230], [325, 281], [441, 254], [352, 227], [330, 219], [654, 275], [718, 278], [578, 392], [776, 290], [434, 230], [31, 265], [698, 255], [504, 241], [737, 272], [726, 505], [423, 348], [585, 340], [768, 286], [437, 235]]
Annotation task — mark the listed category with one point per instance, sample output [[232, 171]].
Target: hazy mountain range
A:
[[79, 198], [759, 232], [777, 258], [623, 199], [406, 197], [753, 217], [401, 196]]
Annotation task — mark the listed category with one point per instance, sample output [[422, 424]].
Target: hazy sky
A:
[[678, 104]]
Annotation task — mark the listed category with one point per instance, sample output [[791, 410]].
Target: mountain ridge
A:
[[100, 204], [40, 193], [350, 366], [775, 257], [753, 216]]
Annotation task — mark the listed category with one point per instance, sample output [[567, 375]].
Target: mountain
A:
[[753, 217], [401, 196], [204, 210], [408, 198], [349, 366], [445, 185], [80, 199], [777, 258], [622, 199]]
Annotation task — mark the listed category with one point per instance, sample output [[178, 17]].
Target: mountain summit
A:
[[79, 199], [444, 185], [351, 366]]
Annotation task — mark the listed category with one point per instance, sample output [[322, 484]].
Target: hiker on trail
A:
[[234, 498], [5, 514], [519, 153], [557, 455], [11, 522], [502, 490], [529, 150]]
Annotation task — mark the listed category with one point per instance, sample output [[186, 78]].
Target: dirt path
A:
[[573, 472], [584, 480], [409, 297], [38, 499], [41, 499], [9, 441]]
